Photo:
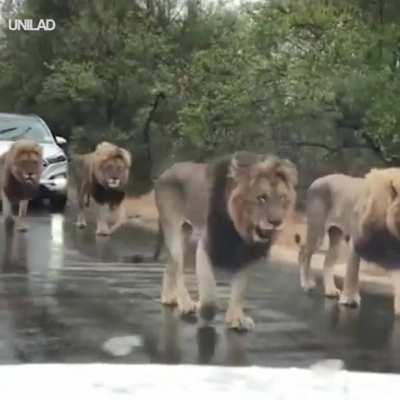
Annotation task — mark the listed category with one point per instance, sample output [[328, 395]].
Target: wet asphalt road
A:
[[67, 296]]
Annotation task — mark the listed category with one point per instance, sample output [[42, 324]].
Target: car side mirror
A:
[[61, 141]]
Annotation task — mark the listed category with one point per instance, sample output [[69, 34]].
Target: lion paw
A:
[[350, 301], [22, 228], [332, 293], [308, 285], [102, 232], [169, 299], [187, 307], [241, 323], [81, 224]]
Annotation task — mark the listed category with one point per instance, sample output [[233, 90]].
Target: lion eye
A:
[[262, 198]]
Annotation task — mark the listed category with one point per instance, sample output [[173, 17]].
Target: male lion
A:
[[371, 216], [21, 167], [225, 214], [329, 205], [102, 175]]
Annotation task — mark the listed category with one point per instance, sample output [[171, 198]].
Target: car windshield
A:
[[12, 129]]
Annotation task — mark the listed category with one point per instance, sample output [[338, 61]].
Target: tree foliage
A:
[[317, 80]]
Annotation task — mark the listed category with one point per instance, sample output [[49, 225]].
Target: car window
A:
[[24, 128]]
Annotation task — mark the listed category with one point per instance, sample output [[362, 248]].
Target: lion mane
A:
[[225, 215], [377, 233], [228, 220], [362, 211], [90, 175], [102, 175], [22, 167]]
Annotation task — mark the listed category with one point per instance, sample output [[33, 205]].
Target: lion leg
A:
[[235, 317], [306, 252], [307, 281], [22, 210], [102, 220], [7, 208], [185, 303], [316, 219], [335, 237], [177, 247], [350, 295], [396, 287], [83, 201], [119, 218], [169, 295], [81, 220], [207, 285]]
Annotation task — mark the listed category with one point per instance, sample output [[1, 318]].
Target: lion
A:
[[102, 175], [21, 168], [226, 214], [371, 217], [329, 204]]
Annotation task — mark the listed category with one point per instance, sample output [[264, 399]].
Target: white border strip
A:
[[105, 381]]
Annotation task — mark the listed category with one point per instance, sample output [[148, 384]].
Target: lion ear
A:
[[103, 145], [288, 171], [241, 163], [39, 149], [127, 157], [393, 191]]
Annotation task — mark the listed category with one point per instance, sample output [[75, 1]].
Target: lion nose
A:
[[275, 221]]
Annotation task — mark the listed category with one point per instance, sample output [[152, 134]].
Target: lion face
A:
[[263, 195], [114, 173], [379, 205], [26, 162], [112, 166]]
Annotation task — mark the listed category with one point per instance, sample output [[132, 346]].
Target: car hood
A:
[[49, 149]]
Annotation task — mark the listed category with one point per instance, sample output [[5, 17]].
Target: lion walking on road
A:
[[225, 214], [367, 212], [20, 170], [102, 176]]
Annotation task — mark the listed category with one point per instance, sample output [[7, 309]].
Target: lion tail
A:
[[159, 242]]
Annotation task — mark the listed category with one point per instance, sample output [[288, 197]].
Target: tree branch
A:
[[376, 148], [146, 128]]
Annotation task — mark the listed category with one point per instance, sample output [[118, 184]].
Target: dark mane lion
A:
[[365, 212], [21, 168], [102, 176], [226, 248], [225, 214]]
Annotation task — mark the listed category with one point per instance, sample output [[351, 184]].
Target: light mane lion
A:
[[102, 175], [368, 211], [225, 214], [21, 168], [329, 204]]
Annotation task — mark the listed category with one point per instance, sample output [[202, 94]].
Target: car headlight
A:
[[58, 176], [58, 181], [54, 159]]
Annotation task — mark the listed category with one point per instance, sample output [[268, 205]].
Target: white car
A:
[[54, 179]]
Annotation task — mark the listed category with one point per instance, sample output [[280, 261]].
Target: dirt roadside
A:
[[143, 212]]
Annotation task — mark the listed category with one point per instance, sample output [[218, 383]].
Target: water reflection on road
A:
[[67, 296]]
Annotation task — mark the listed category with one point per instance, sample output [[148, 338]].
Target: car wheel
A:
[[58, 203]]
